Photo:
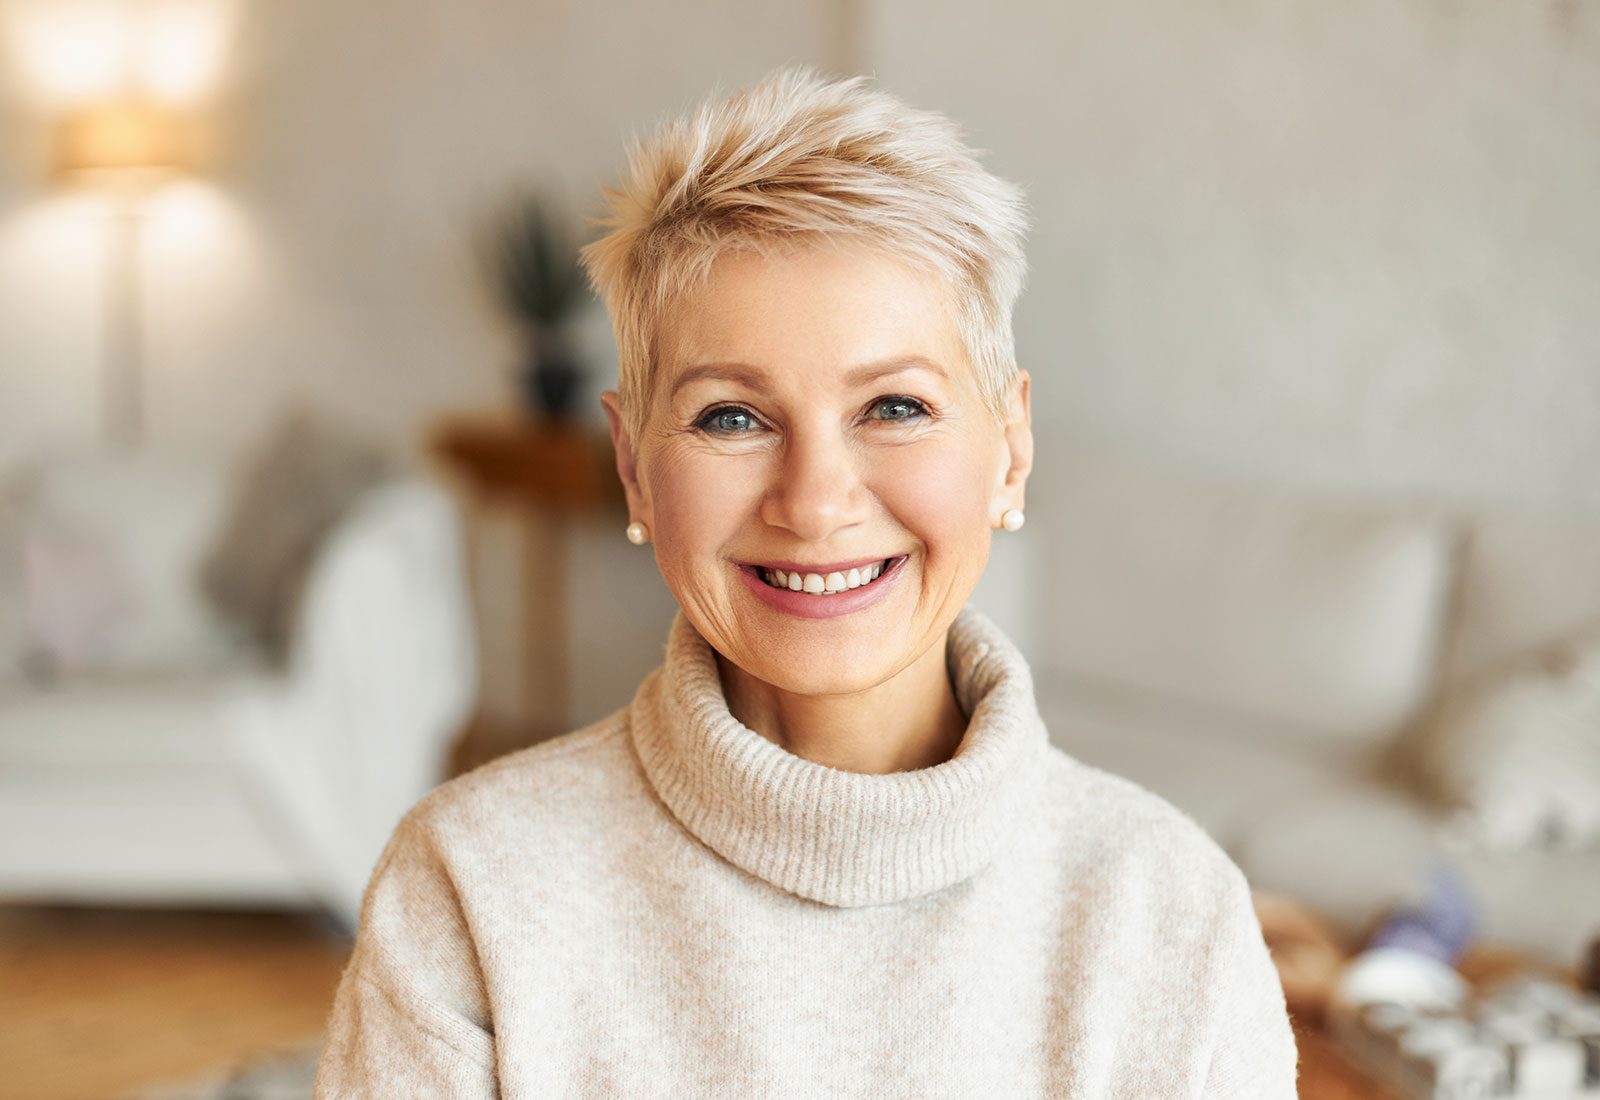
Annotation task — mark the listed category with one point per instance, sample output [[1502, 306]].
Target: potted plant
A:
[[535, 266]]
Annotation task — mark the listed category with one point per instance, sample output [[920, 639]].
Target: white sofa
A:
[[194, 772], [1260, 658]]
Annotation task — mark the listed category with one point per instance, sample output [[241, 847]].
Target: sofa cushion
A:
[[1517, 753], [1525, 582], [122, 722], [77, 597], [124, 788], [1323, 616], [12, 637], [290, 493], [111, 545]]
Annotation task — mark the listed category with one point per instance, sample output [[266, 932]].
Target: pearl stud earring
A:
[[638, 533], [1013, 519]]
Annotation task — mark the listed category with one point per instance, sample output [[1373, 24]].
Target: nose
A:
[[818, 487]]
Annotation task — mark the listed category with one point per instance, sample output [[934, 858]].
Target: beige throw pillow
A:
[[76, 598], [13, 638], [112, 545], [1516, 754], [290, 494]]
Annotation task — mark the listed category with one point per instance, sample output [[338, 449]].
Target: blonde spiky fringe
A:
[[794, 159]]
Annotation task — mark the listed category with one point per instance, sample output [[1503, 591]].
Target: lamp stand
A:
[[122, 385]]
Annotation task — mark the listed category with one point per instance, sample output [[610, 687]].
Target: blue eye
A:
[[736, 420], [910, 406], [724, 420]]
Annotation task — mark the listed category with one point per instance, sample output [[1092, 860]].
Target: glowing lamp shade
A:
[[121, 138]]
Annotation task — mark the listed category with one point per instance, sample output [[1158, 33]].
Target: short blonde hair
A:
[[792, 159]]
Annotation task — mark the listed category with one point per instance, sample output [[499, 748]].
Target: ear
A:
[[627, 459], [1018, 447]]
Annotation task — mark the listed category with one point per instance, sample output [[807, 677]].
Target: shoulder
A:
[[1133, 840], [527, 802], [549, 779], [520, 802]]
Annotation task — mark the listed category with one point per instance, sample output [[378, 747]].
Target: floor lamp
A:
[[124, 147]]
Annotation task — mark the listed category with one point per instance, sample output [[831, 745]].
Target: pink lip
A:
[[808, 606]]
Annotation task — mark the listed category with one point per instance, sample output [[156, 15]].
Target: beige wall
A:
[[1353, 244]]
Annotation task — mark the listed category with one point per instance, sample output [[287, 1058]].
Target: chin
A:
[[841, 680]]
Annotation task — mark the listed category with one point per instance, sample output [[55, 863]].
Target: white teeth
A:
[[821, 584]]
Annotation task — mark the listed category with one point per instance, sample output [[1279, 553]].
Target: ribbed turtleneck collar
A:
[[838, 837]]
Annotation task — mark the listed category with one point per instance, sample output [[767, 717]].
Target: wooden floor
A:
[[94, 1002]]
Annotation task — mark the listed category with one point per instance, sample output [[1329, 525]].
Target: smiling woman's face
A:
[[818, 411]]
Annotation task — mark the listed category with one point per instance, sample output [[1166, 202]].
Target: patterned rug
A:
[[282, 1073]]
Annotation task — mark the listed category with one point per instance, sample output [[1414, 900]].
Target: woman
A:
[[827, 849]]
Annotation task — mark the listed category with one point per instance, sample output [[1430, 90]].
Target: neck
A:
[[910, 721]]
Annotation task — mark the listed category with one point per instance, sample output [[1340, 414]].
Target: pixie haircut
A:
[[800, 159]]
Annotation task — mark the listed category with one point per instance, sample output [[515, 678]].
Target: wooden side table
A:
[[550, 473]]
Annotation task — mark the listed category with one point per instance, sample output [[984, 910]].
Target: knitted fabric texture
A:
[[665, 903]]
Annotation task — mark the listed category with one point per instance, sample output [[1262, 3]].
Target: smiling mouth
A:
[[824, 584]]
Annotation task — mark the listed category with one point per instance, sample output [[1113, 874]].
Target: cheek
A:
[[939, 494], [699, 502]]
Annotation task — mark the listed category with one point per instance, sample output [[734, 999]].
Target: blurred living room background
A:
[[306, 500]]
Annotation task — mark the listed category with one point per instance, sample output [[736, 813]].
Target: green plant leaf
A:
[[536, 262]]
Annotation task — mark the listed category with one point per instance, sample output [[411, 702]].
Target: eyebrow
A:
[[859, 376]]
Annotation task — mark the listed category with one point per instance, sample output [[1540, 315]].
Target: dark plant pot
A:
[[551, 381]]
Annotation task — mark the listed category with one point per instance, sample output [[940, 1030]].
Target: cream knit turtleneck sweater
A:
[[667, 904]]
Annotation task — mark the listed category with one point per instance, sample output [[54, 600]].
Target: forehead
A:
[[816, 311]]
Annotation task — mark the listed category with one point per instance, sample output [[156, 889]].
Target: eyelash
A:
[[710, 416]]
